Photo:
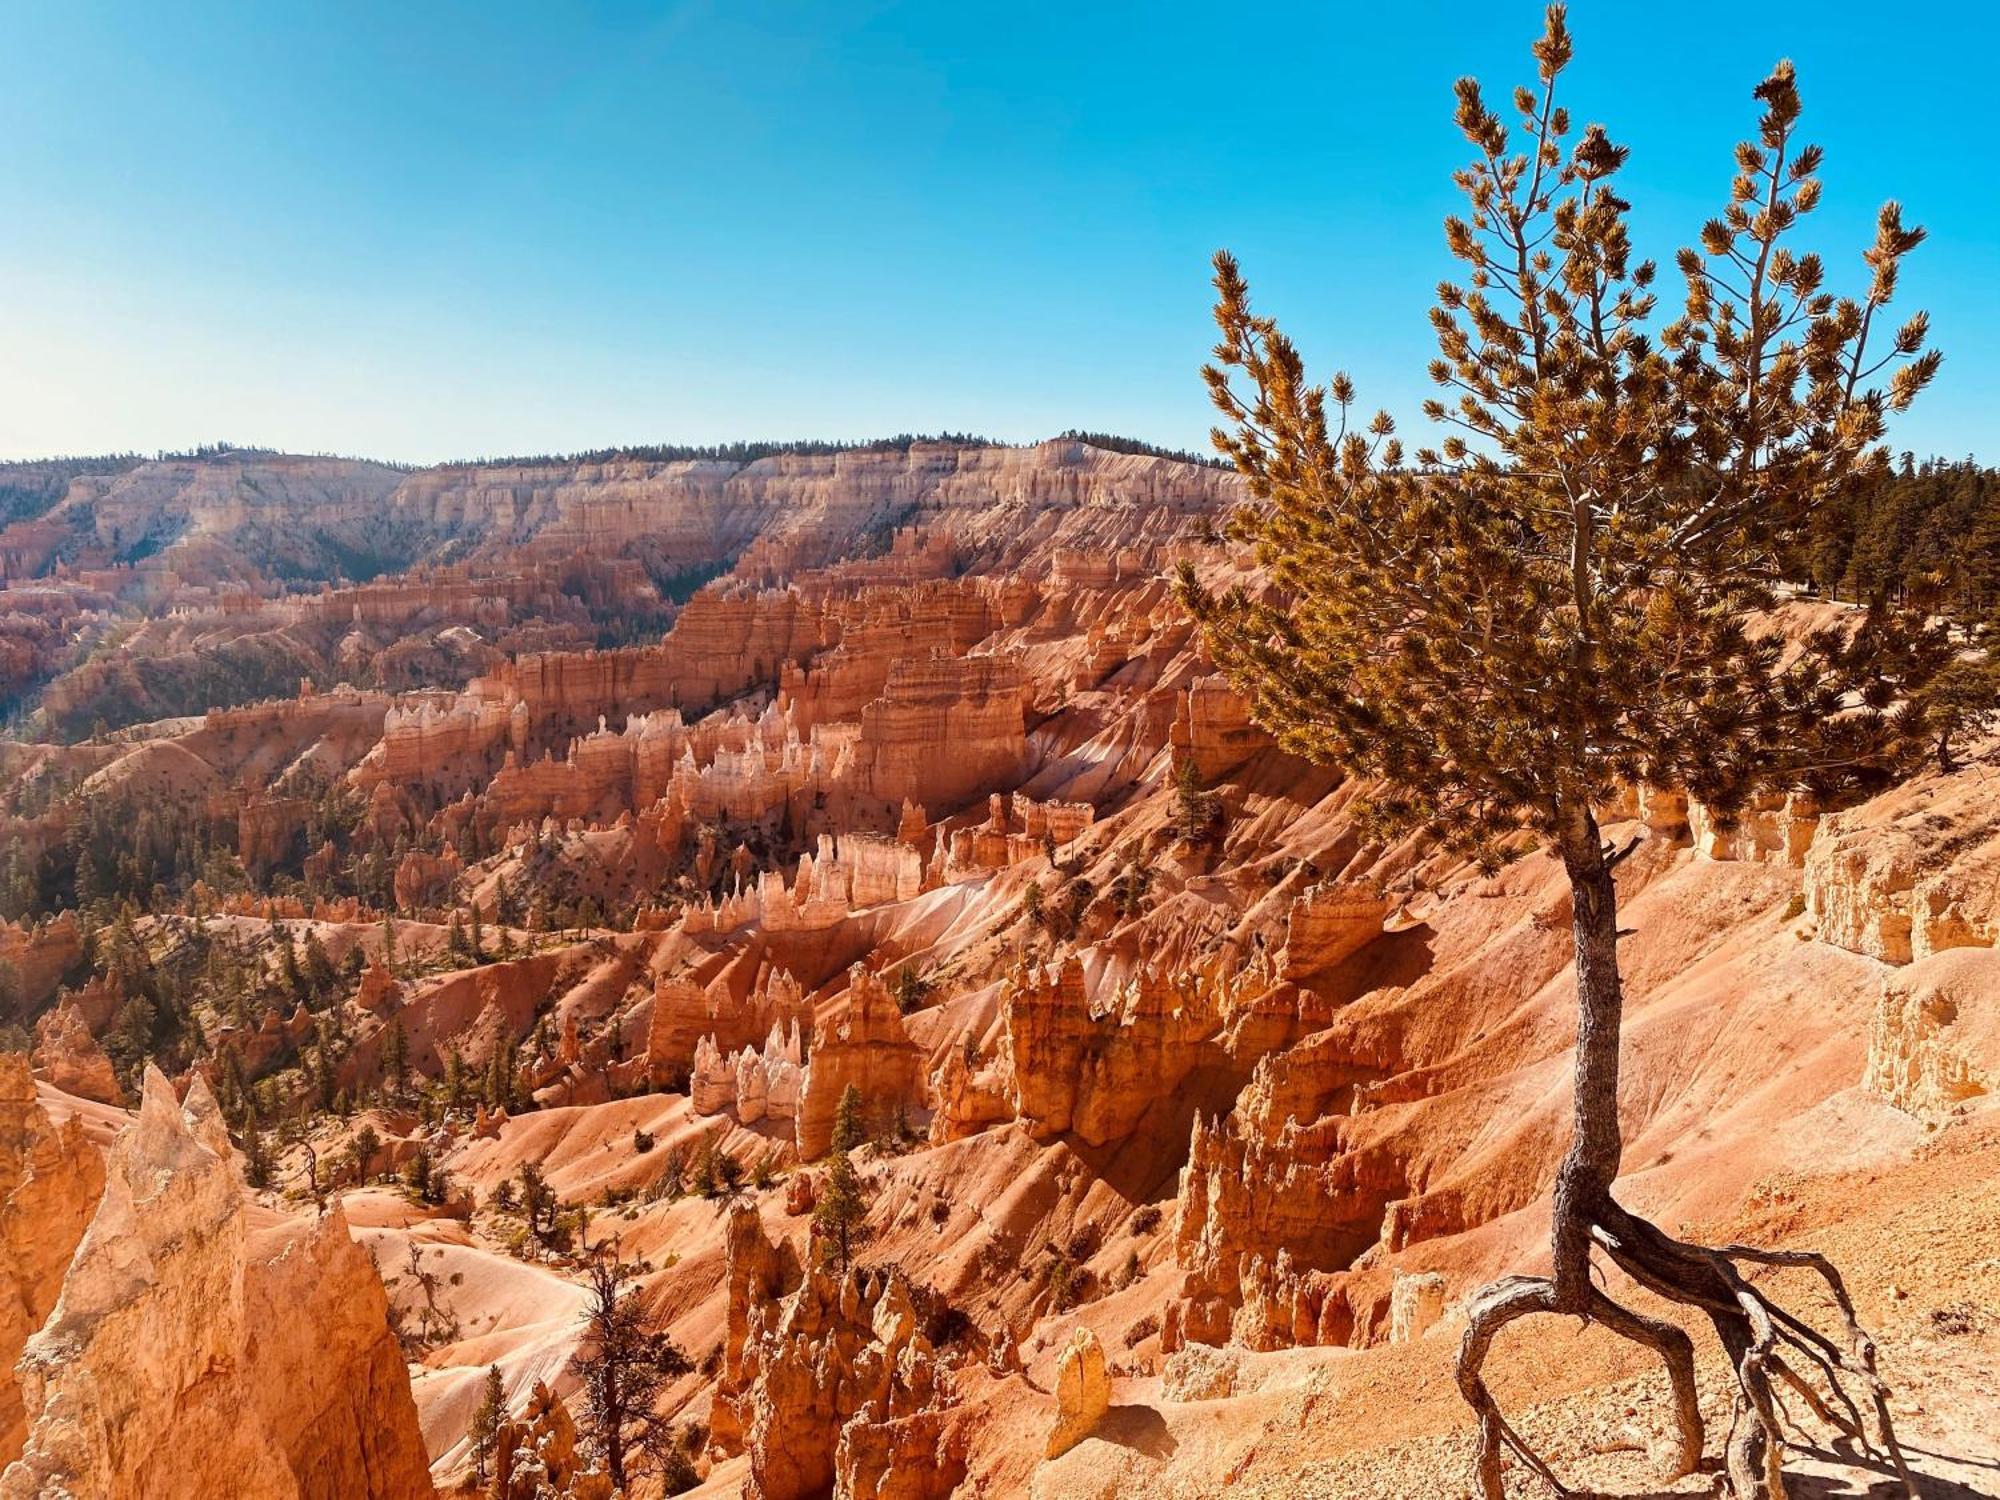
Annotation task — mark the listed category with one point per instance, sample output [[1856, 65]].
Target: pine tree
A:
[[366, 1145], [486, 1421], [849, 1127], [623, 1365], [256, 1156], [703, 1183], [539, 1205], [1963, 701], [322, 1070], [1564, 597], [417, 1172], [396, 1055], [1195, 808], [500, 1077], [321, 978], [840, 1209], [912, 989]]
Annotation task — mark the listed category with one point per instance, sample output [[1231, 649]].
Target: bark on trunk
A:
[[1583, 1182], [1765, 1342]]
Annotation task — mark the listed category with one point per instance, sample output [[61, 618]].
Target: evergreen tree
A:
[[486, 1421], [1565, 596], [539, 1206], [840, 1209], [256, 1157], [396, 1055], [849, 1128], [703, 1183], [364, 1148], [500, 1077], [623, 1365], [322, 1070], [1195, 808], [417, 1172], [321, 978], [912, 989]]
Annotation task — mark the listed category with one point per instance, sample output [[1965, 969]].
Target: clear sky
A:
[[430, 230]]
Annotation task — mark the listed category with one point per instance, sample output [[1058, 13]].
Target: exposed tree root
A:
[[1768, 1345]]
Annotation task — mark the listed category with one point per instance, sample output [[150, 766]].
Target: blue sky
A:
[[435, 230]]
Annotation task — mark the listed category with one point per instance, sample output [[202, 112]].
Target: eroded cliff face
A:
[[324, 1365], [166, 1368], [252, 554], [50, 1180]]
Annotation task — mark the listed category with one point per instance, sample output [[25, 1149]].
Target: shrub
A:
[[1085, 1241], [1142, 1330]]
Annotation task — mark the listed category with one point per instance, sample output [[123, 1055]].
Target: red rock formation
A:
[[1083, 1392], [168, 1367], [39, 955], [684, 1014], [845, 1395], [324, 1367], [266, 828], [1911, 874], [861, 1043], [972, 705], [1329, 923], [535, 1456], [966, 1101], [1269, 1201], [427, 879], [1095, 1065], [759, 1273], [1934, 1047], [50, 1180], [1017, 829], [1775, 829], [1212, 730], [67, 1055], [380, 990], [751, 1084]]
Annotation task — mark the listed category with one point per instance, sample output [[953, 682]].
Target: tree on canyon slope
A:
[[1574, 592], [624, 1365], [486, 1422]]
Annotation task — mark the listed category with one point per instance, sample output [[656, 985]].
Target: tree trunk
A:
[[614, 1427], [1583, 1182], [1759, 1336]]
